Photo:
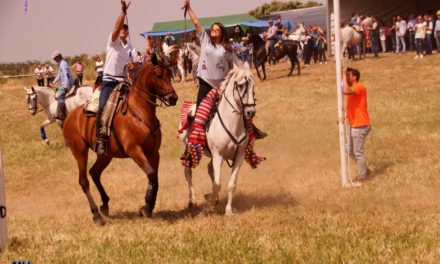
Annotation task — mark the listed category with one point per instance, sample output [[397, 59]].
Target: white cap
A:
[[55, 54]]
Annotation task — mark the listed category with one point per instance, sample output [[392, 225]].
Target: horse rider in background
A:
[[119, 53], [65, 77]]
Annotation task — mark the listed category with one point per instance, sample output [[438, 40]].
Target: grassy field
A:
[[291, 209]]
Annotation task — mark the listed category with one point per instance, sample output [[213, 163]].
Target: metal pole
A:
[[3, 222], [343, 154]]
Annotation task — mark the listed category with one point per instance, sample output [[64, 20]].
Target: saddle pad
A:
[[91, 106], [110, 110]]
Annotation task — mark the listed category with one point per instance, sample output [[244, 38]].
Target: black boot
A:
[[258, 133], [61, 111], [101, 140]]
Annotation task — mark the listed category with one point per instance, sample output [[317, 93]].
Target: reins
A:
[[236, 141]]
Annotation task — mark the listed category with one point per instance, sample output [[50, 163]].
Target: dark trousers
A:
[[375, 45], [307, 54], [428, 44], [411, 39], [79, 76], [419, 48], [204, 89], [49, 80], [40, 82], [321, 55], [315, 54], [107, 89]]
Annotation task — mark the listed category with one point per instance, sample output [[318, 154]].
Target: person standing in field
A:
[[357, 114], [79, 68], [420, 29], [437, 31], [99, 67], [119, 53], [400, 35], [48, 71], [39, 75]]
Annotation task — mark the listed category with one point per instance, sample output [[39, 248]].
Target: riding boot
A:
[[61, 111], [258, 133], [101, 140]]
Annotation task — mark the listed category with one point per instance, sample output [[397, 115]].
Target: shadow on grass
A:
[[379, 170], [242, 202]]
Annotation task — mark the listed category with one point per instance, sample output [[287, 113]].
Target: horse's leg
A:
[[292, 65], [100, 164], [298, 65], [81, 158], [192, 193], [153, 183], [264, 70], [233, 182], [43, 131], [217, 162]]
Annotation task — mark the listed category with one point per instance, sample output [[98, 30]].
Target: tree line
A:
[[275, 6]]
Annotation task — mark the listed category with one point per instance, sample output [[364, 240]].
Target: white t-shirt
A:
[[99, 66], [48, 71], [118, 55], [214, 61], [419, 30], [401, 28], [39, 73], [429, 25]]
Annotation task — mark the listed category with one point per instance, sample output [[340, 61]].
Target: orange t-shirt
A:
[[357, 112]]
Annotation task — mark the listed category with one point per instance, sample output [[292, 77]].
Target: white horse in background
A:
[[299, 34], [227, 136], [193, 54], [352, 35], [180, 60], [42, 99]]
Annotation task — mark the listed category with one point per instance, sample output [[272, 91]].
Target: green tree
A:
[[275, 6]]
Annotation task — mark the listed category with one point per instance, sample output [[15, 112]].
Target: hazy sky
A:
[[83, 26]]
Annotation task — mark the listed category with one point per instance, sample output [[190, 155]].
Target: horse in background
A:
[[42, 99], [259, 52], [298, 35], [135, 134], [356, 35], [182, 58]]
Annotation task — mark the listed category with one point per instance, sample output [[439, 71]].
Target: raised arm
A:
[[192, 15], [120, 21]]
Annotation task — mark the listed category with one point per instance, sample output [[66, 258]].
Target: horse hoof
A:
[[229, 213], [192, 205], [210, 198], [143, 212], [104, 210], [47, 142], [98, 220]]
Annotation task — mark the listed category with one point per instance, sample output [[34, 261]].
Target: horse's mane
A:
[[235, 74], [256, 39]]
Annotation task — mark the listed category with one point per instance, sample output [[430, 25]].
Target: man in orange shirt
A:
[[357, 114]]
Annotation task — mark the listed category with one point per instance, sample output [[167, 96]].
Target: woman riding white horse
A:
[[42, 99]]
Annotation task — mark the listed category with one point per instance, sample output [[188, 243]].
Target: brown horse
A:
[[136, 134]]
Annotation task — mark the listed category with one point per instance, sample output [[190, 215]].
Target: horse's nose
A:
[[250, 114], [173, 100]]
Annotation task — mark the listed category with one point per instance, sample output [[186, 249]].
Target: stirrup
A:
[[100, 147]]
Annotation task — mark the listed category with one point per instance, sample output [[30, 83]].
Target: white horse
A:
[[43, 99], [180, 60], [352, 36], [193, 54], [299, 33], [227, 136]]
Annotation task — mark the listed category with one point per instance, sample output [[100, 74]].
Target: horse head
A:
[[239, 86], [32, 100], [155, 80]]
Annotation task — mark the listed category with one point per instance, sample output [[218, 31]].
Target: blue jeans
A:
[[419, 48], [437, 40], [272, 47], [375, 46], [61, 94], [412, 36], [106, 90]]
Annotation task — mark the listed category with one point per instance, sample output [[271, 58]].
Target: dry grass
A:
[[291, 209]]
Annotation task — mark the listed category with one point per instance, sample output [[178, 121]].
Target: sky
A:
[[83, 26]]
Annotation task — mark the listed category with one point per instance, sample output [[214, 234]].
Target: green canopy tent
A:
[[178, 27]]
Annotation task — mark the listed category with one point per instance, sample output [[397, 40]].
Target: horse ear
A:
[[32, 88], [26, 89], [246, 65]]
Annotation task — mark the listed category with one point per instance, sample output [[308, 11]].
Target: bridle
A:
[[241, 97], [161, 97], [243, 106], [33, 102]]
